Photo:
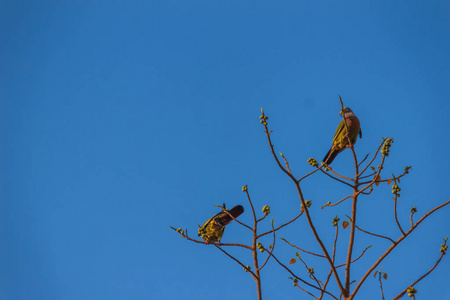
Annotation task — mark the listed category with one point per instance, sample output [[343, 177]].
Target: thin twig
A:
[[310, 275], [340, 176], [331, 204], [254, 250], [281, 226], [395, 211], [367, 155], [375, 156], [236, 260], [271, 250], [351, 240], [266, 129], [364, 251], [382, 180], [298, 278], [312, 253], [337, 179], [367, 176], [374, 234], [375, 178], [310, 173], [333, 258], [381, 286]]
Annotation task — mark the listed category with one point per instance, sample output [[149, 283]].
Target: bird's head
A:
[[346, 110]]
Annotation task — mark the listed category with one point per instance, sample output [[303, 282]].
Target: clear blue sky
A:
[[122, 118]]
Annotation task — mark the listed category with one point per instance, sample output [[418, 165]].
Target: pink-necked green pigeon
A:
[[341, 137], [213, 229]]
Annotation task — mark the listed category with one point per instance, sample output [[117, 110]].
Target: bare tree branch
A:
[[312, 253], [378, 235]]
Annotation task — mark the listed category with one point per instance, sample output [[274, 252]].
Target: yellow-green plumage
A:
[[341, 139], [212, 231]]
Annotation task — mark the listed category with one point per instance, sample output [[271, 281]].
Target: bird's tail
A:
[[225, 218], [331, 155]]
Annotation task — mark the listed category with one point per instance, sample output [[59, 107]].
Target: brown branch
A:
[[367, 176], [364, 251], [381, 285], [383, 180], [375, 156], [271, 250], [310, 275], [312, 253], [333, 258], [386, 253], [281, 226], [374, 234], [310, 173], [340, 176], [266, 129], [374, 178], [339, 201], [236, 260], [395, 211], [351, 242], [295, 284], [286, 162], [337, 179], [298, 278], [319, 241], [254, 250], [367, 155], [262, 218]]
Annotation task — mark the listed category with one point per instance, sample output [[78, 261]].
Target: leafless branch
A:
[[374, 234], [236, 260], [340, 176], [364, 251], [281, 226], [312, 253], [331, 204], [374, 156], [367, 155], [271, 250], [337, 179], [396, 218]]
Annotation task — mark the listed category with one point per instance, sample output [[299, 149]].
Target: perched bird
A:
[[213, 229], [340, 140]]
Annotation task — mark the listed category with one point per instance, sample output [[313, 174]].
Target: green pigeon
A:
[[340, 140], [213, 229]]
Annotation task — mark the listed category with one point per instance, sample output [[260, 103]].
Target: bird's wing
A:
[[223, 218], [340, 131]]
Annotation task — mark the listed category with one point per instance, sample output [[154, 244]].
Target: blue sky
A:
[[122, 118]]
